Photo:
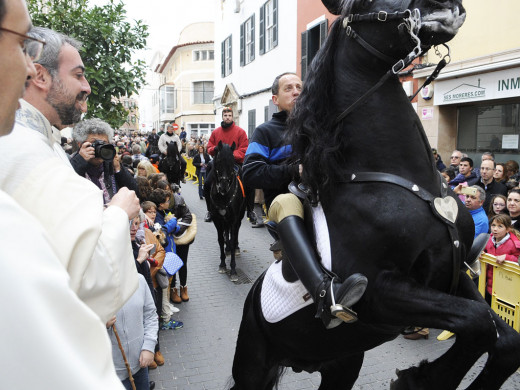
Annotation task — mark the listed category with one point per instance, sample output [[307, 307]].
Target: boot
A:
[[184, 294], [174, 297], [158, 358], [306, 265]]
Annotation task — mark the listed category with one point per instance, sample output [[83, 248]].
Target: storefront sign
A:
[[478, 87]]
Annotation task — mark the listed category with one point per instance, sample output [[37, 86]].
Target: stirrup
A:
[[343, 313]]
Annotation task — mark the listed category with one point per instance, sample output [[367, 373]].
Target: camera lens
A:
[[107, 152]]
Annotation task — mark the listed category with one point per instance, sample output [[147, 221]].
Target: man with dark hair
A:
[[153, 144], [228, 133], [265, 168], [466, 173]]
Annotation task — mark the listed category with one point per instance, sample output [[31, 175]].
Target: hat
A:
[[434, 151]]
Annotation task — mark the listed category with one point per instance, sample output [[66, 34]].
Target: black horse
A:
[[173, 165], [227, 204], [389, 216]]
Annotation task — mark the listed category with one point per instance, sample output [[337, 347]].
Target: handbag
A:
[[162, 278], [172, 263], [188, 236]]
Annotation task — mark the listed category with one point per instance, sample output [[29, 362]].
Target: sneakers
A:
[[207, 218], [172, 324]]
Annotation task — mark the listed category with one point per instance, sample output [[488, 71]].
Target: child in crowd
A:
[[136, 325], [497, 206], [504, 244]]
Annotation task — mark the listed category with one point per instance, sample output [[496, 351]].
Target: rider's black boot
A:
[[306, 265]]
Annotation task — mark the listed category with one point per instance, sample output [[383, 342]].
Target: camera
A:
[[468, 191], [104, 150]]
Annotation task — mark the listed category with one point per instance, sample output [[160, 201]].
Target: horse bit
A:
[[412, 22]]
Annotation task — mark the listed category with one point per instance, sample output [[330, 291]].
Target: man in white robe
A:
[[92, 243], [51, 338]]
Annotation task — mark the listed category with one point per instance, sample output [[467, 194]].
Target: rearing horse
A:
[[227, 204], [392, 220]]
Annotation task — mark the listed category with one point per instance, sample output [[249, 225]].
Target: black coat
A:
[[197, 162]]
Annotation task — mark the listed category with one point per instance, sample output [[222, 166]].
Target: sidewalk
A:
[[200, 355]]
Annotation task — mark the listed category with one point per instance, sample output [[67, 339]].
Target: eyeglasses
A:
[[38, 48], [455, 157]]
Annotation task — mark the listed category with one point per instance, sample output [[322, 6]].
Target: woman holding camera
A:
[[96, 159]]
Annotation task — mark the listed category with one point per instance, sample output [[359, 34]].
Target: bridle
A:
[[231, 188], [411, 22]]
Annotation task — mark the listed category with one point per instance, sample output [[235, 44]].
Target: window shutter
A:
[[230, 54], [323, 32], [242, 44], [261, 33], [253, 37], [305, 36], [223, 59], [275, 23]]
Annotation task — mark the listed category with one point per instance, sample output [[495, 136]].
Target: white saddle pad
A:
[[280, 298]]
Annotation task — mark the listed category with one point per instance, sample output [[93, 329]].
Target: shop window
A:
[[489, 128]]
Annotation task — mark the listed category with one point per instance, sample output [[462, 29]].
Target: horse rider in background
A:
[[264, 168], [228, 133]]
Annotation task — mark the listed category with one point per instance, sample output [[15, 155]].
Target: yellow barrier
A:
[[190, 168], [505, 300]]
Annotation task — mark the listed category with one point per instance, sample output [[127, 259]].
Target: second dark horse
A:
[[227, 204]]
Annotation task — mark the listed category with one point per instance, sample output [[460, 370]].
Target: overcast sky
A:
[[166, 19]]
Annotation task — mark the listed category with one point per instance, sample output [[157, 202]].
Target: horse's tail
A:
[[252, 349]]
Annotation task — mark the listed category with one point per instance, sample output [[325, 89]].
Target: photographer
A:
[[96, 159]]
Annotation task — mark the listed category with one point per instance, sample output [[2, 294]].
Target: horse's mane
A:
[[316, 140]]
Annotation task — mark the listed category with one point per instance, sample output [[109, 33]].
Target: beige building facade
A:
[[186, 96], [474, 106]]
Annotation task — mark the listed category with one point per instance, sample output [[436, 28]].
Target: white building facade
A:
[[254, 42]]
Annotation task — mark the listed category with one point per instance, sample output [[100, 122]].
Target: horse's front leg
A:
[[222, 267], [233, 244], [396, 300]]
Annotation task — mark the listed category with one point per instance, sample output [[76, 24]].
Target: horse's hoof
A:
[[222, 269], [237, 252], [233, 277]]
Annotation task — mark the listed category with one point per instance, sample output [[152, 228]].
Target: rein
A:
[[412, 22], [232, 188]]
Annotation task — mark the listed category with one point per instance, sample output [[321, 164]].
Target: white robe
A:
[[51, 339], [93, 245]]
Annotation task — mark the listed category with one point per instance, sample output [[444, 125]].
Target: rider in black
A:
[[264, 168]]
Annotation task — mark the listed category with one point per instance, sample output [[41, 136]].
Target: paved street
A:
[[200, 355]]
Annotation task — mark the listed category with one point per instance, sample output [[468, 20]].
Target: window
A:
[[247, 41], [312, 41], [251, 123], [203, 55], [266, 113], [226, 57], [489, 128], [168, 99], [202, 92], [198, 129], [268, 35]]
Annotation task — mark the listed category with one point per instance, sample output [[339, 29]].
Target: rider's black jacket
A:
[[264, 164]]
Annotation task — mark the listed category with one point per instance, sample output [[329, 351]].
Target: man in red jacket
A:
[[228, 133]]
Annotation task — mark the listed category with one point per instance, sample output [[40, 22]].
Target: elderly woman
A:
[[96, 159]]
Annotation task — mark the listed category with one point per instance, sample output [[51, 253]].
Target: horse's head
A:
[[395, 27], [224, 166], [172, 151]]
